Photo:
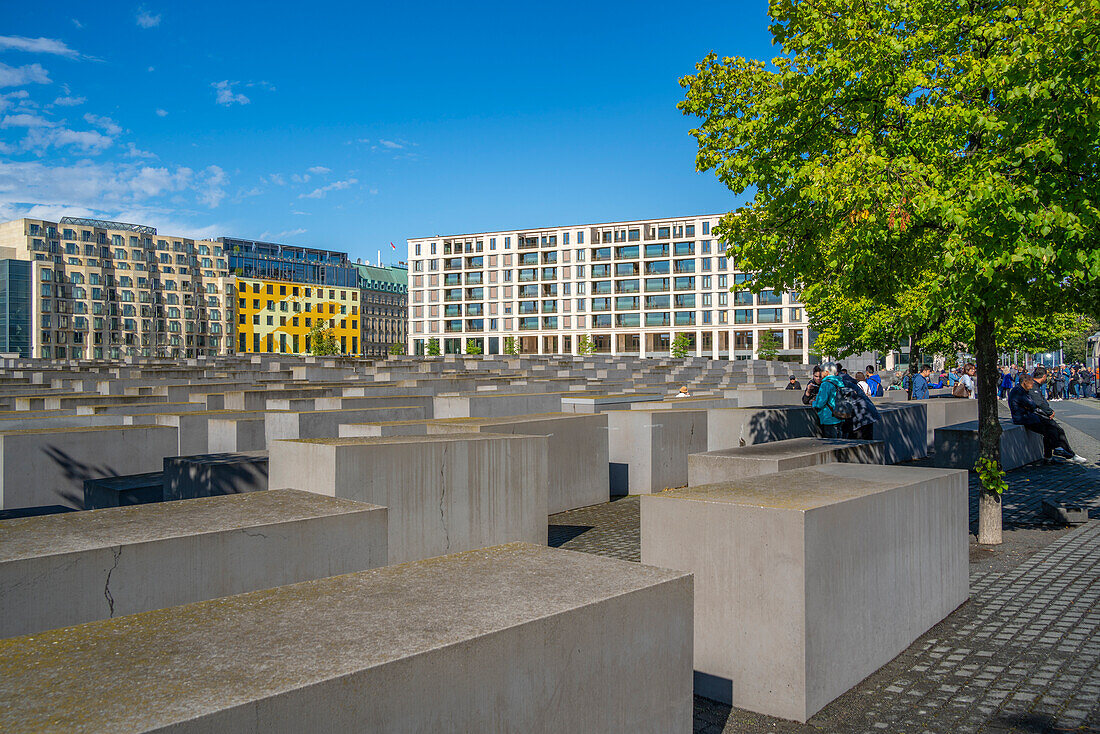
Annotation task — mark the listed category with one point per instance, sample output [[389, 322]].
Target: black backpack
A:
[[844, 403]]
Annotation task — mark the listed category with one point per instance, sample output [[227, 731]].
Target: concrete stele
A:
[[512, 638]]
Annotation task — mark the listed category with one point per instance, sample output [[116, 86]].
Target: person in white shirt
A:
[[861, 378], [683, 393], [968, 379]]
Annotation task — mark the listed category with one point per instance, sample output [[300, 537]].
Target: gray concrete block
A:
[[49, 466], [648, 450], [728, 465], [444, 493], [808, 581], [326, 423], [134, 489], [957, 446], [515, 638], [943, 412], [61, 570], [903, 430], [236, 432], [577, 451], [604, 403], [213, 475], [728, 428]]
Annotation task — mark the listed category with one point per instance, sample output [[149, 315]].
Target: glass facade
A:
[[271, 261], [15, 307]]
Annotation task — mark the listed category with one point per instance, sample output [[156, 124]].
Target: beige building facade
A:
[[105, 290], [630, 287]]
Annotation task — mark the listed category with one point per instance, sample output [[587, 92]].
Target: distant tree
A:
[[681, 345], [1074, 347], [322, 341], [768, 346], [432, 350], [472, 347], [955, 137], [511, 346], [397, 348], [585, 345]]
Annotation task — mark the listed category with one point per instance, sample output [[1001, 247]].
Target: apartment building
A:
[[629, 286], [97, 289], [384, 294], [283, 291]]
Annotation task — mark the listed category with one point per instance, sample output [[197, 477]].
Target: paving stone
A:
[[1022, 656]]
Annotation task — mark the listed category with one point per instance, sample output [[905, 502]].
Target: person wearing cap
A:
[[683, 392], [793, 384]]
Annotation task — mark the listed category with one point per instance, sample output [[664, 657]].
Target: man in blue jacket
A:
[[874, 381], [920, 383], [1030, 410]]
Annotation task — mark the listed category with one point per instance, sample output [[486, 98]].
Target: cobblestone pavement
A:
[[1022, 656]]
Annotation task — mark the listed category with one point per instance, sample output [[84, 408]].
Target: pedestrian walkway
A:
[[1023, 655]]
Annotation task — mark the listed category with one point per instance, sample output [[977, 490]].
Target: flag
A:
[[393, 246]]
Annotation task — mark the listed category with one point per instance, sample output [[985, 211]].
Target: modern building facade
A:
[[284, 291], [384, 294], [630, 287], [97, 289]]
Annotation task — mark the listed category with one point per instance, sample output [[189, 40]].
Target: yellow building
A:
[[277, 316]]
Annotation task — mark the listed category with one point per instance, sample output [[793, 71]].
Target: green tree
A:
[[511, 346], [472, 347], [883, 141], [681, 345], [322, 341], [768, 345], [397, 348], [1074, 347], [432, 349], [585, 346]]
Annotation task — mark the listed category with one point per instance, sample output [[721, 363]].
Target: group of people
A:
[[1065, 382], [845, 410], [842, 401]]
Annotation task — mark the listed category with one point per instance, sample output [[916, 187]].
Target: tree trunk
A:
[[913, 366], [989, 427]]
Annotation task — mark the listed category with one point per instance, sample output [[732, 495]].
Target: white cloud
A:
[[106, 124], [299, 178], [334, 186], [391, 144], [211, 190], [277, 179], [37, 46], [25, 120], [145, 19], [162, 112], [77, 23], [70, 101], [151, 69], [87, 184], [89, 142], [319, 170], [225, 95], [17, 76], [132, 151]]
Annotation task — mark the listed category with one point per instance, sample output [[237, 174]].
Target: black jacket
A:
[[1022, 407], [1042, 407]]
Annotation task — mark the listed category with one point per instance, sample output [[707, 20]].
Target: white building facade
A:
[[630, 287]]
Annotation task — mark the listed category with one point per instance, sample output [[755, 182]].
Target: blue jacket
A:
[[826, 399], [920, 387], [1023, 407], [875, 383], [1006, 381]]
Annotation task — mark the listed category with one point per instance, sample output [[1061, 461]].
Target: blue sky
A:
[[351, 125]]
